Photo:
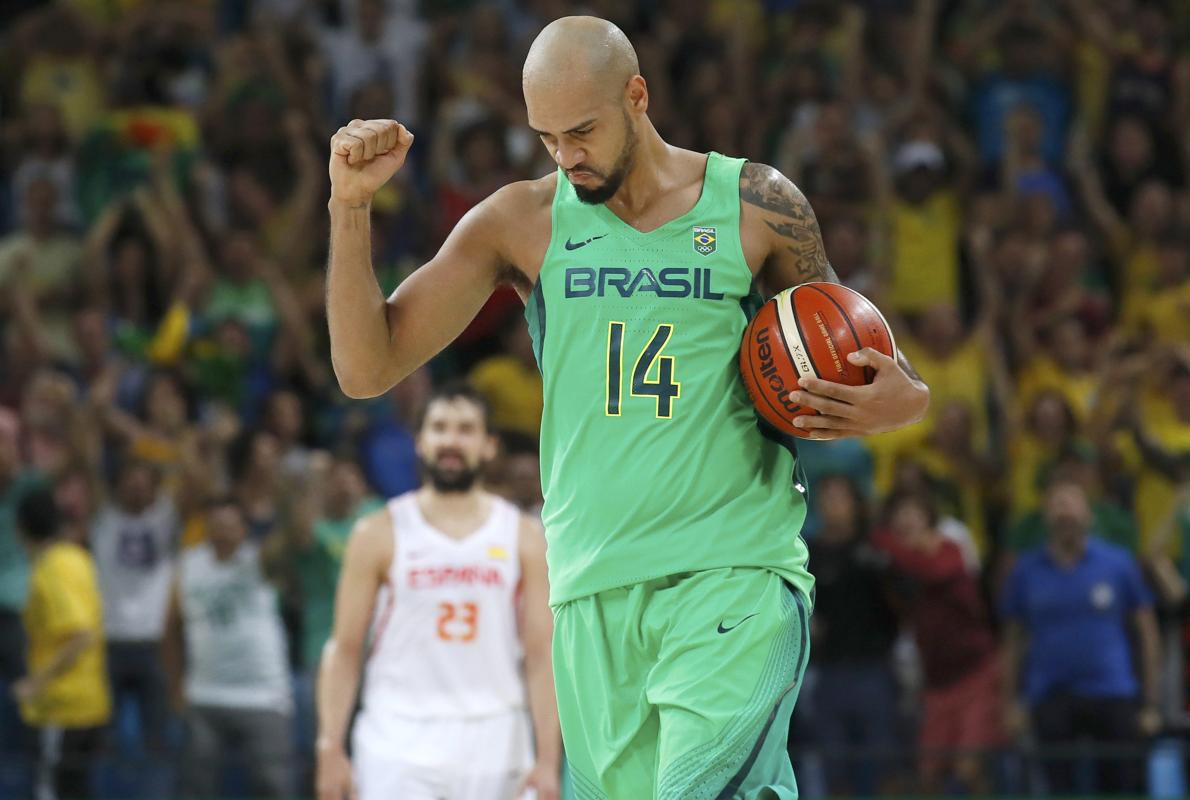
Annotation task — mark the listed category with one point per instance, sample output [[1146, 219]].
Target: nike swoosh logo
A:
[[576, 245], [738, 624]]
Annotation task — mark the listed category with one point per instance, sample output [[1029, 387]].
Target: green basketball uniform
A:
[[681, 688], [653, 465]]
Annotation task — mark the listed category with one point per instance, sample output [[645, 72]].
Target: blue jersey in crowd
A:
[[1077, 621]]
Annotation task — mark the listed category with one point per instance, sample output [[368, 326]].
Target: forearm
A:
[[1154, 455], [338, 683], [355, 304], [65, 658], [543, 707], [1150, 661]]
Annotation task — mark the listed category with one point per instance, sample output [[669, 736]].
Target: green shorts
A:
[[682, 687]]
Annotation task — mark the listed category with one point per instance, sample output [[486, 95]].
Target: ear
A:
[[636, 92]]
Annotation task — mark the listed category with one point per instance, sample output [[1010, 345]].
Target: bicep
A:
[[780, 230], [433, 305]]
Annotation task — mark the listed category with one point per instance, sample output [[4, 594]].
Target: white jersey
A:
[[236, 655], [444, 638], [134, 554]]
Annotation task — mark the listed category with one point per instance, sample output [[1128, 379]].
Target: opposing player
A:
[[450, 582], [677, 573]]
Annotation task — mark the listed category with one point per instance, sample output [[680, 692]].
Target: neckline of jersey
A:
[[703, 197], [415, 505]]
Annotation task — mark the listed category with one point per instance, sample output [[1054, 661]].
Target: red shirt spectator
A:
[[951, 622], [952, 626]]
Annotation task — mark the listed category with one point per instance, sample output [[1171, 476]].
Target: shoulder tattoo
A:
[[788, 214]]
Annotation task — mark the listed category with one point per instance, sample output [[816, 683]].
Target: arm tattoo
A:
[[766, 188]]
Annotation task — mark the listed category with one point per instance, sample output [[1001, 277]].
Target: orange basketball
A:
[[808, 330]]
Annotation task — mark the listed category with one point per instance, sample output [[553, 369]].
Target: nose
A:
[[569, 158]]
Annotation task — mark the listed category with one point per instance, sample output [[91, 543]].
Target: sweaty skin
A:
[[589, 106]]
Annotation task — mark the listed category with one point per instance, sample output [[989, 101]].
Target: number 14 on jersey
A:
[[663, 388]]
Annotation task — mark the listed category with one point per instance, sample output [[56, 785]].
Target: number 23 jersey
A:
[[652, 463], [444, 640]]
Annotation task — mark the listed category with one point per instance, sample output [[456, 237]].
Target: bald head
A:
[[583, 50], [586, 100]]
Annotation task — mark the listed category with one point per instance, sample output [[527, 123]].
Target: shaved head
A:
[[580, 50], [586, 100]]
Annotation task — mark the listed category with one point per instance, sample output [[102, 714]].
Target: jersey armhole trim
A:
[[732, 167], [554, 203]]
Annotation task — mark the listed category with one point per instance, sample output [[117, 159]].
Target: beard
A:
[[611, 183], [450, 480]]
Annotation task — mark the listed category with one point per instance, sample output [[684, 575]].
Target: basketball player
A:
[[677, 573], [439, 574]]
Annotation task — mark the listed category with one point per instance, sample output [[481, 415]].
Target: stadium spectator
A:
[[380, 38], [284, 418], [1070, 606], [854, 704], [16, 480], [226, 661], [134, 539], [44, 259], [516, 473], [64, 694], [953, 630]]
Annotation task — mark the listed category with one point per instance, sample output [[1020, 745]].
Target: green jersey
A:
[[652, 462]]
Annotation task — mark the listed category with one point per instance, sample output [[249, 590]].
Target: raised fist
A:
[[364, 155]]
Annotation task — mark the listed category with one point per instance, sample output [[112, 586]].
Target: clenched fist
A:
[[364, 155]]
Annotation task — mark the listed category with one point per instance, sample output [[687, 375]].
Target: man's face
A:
[[91, 334], [285, 416], [836, 505], [592, 139], [137, 487], [226, 529], [1067, 512], [454, 444], [347, 486], [909, 518], [523, 475]]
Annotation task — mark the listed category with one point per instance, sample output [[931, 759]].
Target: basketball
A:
[[808, 330]]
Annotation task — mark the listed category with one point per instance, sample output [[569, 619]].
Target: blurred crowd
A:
[[1006, 179]]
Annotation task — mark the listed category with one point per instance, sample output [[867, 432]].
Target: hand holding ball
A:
[[808, 331]]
